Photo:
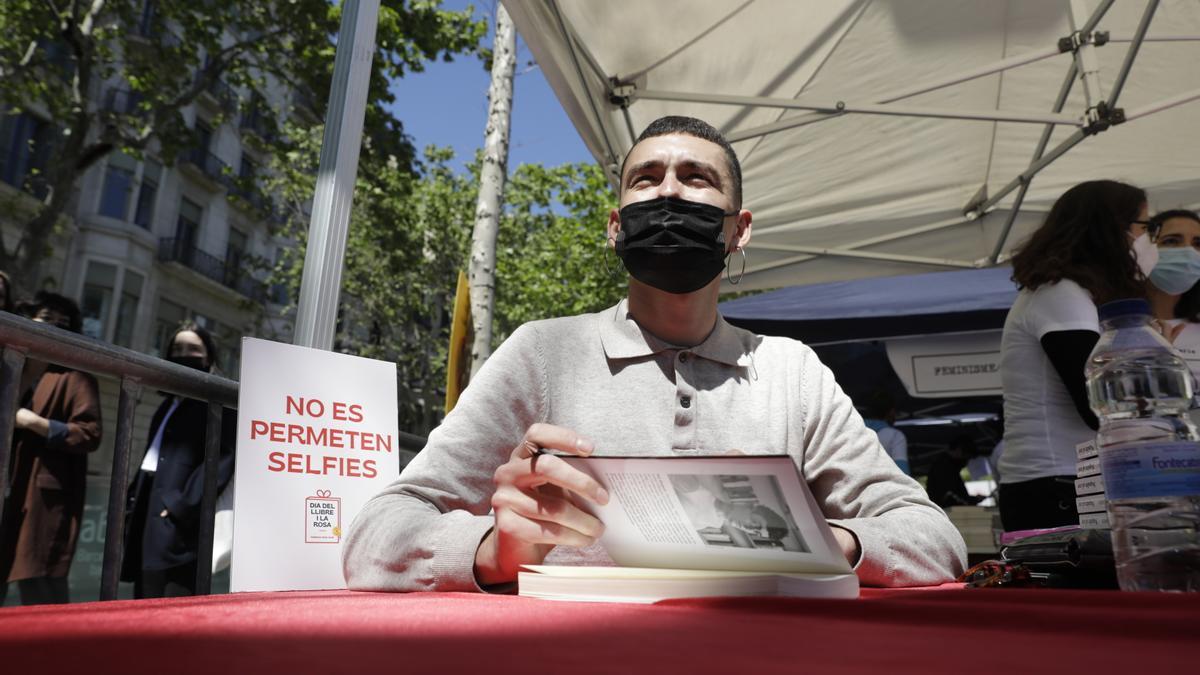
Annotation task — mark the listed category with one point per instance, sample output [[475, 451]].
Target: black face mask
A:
[[672, 244], [196, 362]]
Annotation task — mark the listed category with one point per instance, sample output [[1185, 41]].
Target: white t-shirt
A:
[[1041, 424], [1187, 343], [896, 445]]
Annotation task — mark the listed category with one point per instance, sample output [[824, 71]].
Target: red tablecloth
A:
[[315, 633]]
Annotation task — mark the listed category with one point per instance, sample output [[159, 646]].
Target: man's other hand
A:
[[534, 505]]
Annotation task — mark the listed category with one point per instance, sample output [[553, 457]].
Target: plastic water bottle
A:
[[1141, 389]]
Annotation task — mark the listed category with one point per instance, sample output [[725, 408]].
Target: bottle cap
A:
[[1129, 307]]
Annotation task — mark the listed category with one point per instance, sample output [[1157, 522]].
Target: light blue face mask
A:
[[1177, 270]]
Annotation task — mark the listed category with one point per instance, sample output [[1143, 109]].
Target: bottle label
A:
[[1140, 470]]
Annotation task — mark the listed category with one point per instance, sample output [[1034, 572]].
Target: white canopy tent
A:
[[887, 137]]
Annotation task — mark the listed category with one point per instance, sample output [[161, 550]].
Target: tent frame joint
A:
[[621, 94], [1100, 117], [1077, 39]]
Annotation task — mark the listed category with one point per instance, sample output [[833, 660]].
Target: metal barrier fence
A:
[[23, 339]]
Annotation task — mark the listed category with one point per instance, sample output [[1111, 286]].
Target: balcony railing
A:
[[224, 94], [209, 164], [208, 265]]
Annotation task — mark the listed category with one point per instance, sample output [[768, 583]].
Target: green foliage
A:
[[409, 237], [60, 61]]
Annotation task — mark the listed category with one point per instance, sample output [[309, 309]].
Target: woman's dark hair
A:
[[6, 302], [1188, 306], [1085, 239], [59, 304], [210, 345]]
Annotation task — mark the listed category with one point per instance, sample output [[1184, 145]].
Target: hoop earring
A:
[[607, 266], [742, 273]]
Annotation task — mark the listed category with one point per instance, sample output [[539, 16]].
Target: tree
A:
[[410, 236], [117, 75], [482, 267]]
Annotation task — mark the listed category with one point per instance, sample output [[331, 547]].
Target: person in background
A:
[[57, 425], [6, 301], [162, 523], [1173, 292], [881, 415], [1092, 248], [945, 485]]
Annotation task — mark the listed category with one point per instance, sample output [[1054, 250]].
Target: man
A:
[[881, 415], [659, 374], [57, 424], [945, 485]]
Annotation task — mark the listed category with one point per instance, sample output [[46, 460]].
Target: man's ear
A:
[[614, 226], [741, 230]]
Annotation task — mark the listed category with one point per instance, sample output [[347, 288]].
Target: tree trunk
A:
[[482, 269]]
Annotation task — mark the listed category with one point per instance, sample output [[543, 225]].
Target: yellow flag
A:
[[458, 367]]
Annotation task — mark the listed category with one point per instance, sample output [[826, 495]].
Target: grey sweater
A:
[[631, 394]]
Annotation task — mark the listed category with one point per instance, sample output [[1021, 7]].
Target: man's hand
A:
[[534, 507], [31, 421], [848, 543]]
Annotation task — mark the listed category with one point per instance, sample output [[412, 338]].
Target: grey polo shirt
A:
[[633, 394]]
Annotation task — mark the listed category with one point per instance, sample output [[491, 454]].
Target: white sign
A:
[[946, 366], [317, 438]]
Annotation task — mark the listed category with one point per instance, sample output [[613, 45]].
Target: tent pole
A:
[[321, 283], [1085, 54], [1157, 38], [898, 94], [1059, 102], [880, 239], [869, 109], [866, 255], [570, 43], [1180, 99], [1033, 169], [1138, 36]]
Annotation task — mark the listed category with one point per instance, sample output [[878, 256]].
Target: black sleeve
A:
[[1068, 351]]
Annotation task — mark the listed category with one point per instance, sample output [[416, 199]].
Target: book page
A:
[[722, 513]]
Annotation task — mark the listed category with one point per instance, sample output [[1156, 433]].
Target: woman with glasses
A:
[[1091, 249], [1173, 292]]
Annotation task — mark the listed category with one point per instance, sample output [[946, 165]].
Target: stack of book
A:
[[976, 524], [1089, 487]]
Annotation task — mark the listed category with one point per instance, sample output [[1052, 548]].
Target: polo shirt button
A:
[[683, 356], [685, 401]]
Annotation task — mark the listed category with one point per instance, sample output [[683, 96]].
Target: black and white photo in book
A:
[[738, 511]]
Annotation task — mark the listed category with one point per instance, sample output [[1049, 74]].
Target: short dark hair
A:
[[1085, 239], [1188, 306], [690, 126], [879, 404], [59, 304], [6, 302], [189, 326]]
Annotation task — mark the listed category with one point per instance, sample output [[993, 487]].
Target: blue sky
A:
[[446, 105]]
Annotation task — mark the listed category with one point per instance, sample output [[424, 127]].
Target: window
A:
[[186, 230], [235, 250], [168, 318], [229, 350], [25, 145], [118, 186], [131, 296], [96, 300], [148, 194]]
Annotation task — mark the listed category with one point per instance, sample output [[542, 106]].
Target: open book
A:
[[701, 526]]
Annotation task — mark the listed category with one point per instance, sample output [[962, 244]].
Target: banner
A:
[[948, 366], [316, 440], [458, 364]]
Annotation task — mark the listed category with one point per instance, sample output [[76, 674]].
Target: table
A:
[[894, 631]]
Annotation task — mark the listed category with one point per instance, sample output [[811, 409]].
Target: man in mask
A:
[[57, 425], [660, 374]]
